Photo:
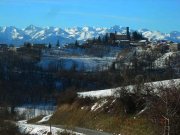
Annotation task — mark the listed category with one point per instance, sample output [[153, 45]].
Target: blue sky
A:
[[163, 15]]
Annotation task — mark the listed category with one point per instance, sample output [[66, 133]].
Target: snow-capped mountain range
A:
[[34, 34]]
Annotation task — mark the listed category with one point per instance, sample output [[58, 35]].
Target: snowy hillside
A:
[[112, 92], [13, 35]]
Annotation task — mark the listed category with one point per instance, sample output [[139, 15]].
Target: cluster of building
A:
[[125, 39]]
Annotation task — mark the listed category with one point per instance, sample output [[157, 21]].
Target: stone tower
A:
[[127, 33]]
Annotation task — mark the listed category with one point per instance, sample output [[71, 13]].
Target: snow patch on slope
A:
[[98, 105], [161, 62], [112, 92], [45, 119]]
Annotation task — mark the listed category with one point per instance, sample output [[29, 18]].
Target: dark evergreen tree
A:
[[137, 36], [49, 46], [106, 38], [94, 40], [115, 32], [58, 44], [76, 43], [27, 44], [99, 40]]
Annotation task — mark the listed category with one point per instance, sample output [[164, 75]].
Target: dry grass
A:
[[73, 115]]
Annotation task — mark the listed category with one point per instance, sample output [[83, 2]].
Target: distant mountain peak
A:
[[34, 34], [31, 27]]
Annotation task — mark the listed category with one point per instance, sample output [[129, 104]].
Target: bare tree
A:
[[167, 107]]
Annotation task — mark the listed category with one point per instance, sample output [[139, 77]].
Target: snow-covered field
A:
[[81, 63], [91, 59], [33, 129], [31, 111], [112, 92]]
